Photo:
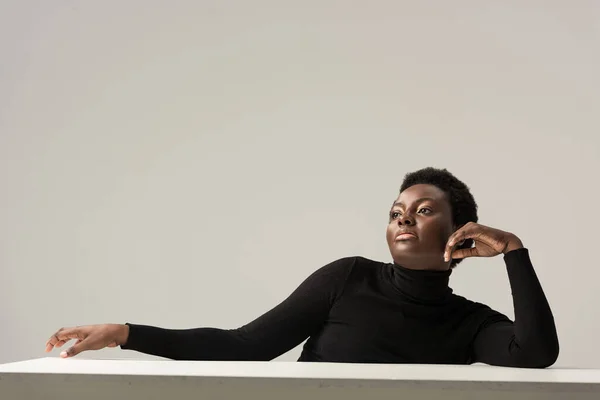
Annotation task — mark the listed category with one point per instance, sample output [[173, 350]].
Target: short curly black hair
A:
[[462, 202]]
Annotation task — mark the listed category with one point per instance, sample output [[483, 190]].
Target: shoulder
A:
[[354, 272], [363, 269], [359, 263], [352, 262], [351, 266]]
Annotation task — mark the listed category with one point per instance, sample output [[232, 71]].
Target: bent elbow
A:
[[549, 354], [550, 357], [540, 358]]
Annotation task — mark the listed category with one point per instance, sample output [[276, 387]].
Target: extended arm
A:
[[272, 334]]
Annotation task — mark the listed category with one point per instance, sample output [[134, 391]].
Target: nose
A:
[[406, 219]]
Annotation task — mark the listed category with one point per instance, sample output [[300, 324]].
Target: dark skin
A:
[[423, 210]]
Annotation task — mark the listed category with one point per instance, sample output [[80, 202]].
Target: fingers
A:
[[447, 253], [465, 253], [454, 240], [92, 342], [77, 348], [450, 244], [91, 337], [468, 231], [62, 336]]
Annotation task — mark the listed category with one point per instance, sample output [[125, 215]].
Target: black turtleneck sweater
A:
[[361, 311]]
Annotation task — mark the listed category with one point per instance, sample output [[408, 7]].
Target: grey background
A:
[[184, 163]]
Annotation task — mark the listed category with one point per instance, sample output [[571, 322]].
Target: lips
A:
[[405, 235]]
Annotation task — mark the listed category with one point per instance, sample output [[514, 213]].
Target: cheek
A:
[[388, 232], [438, 232], [444, 235]]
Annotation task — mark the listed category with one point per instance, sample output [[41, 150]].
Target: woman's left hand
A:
[[489, 242]]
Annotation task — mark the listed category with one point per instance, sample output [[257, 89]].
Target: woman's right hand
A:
[[90, 337]]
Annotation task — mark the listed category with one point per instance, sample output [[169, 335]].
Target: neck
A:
[[423, 264], [422, 285]]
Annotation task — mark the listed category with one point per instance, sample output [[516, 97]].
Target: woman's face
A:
[[424, 212]]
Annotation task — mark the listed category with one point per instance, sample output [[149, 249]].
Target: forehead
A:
[[419, 191]]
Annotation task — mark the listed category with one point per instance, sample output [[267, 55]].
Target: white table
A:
[[75, 378]]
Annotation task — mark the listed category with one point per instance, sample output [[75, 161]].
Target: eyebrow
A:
[[422, 199]]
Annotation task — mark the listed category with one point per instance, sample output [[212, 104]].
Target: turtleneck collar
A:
[[421, 286]]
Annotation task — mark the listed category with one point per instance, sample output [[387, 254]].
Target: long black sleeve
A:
[[531, 340], [272, 334]]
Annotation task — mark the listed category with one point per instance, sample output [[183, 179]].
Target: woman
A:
[[363, 311]]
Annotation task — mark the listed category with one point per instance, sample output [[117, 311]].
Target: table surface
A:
[[301, 370]]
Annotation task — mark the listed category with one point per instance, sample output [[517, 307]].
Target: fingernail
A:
[[63, 354]]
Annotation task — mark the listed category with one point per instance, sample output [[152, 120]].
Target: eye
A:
[[428, 210], [394, 214]]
